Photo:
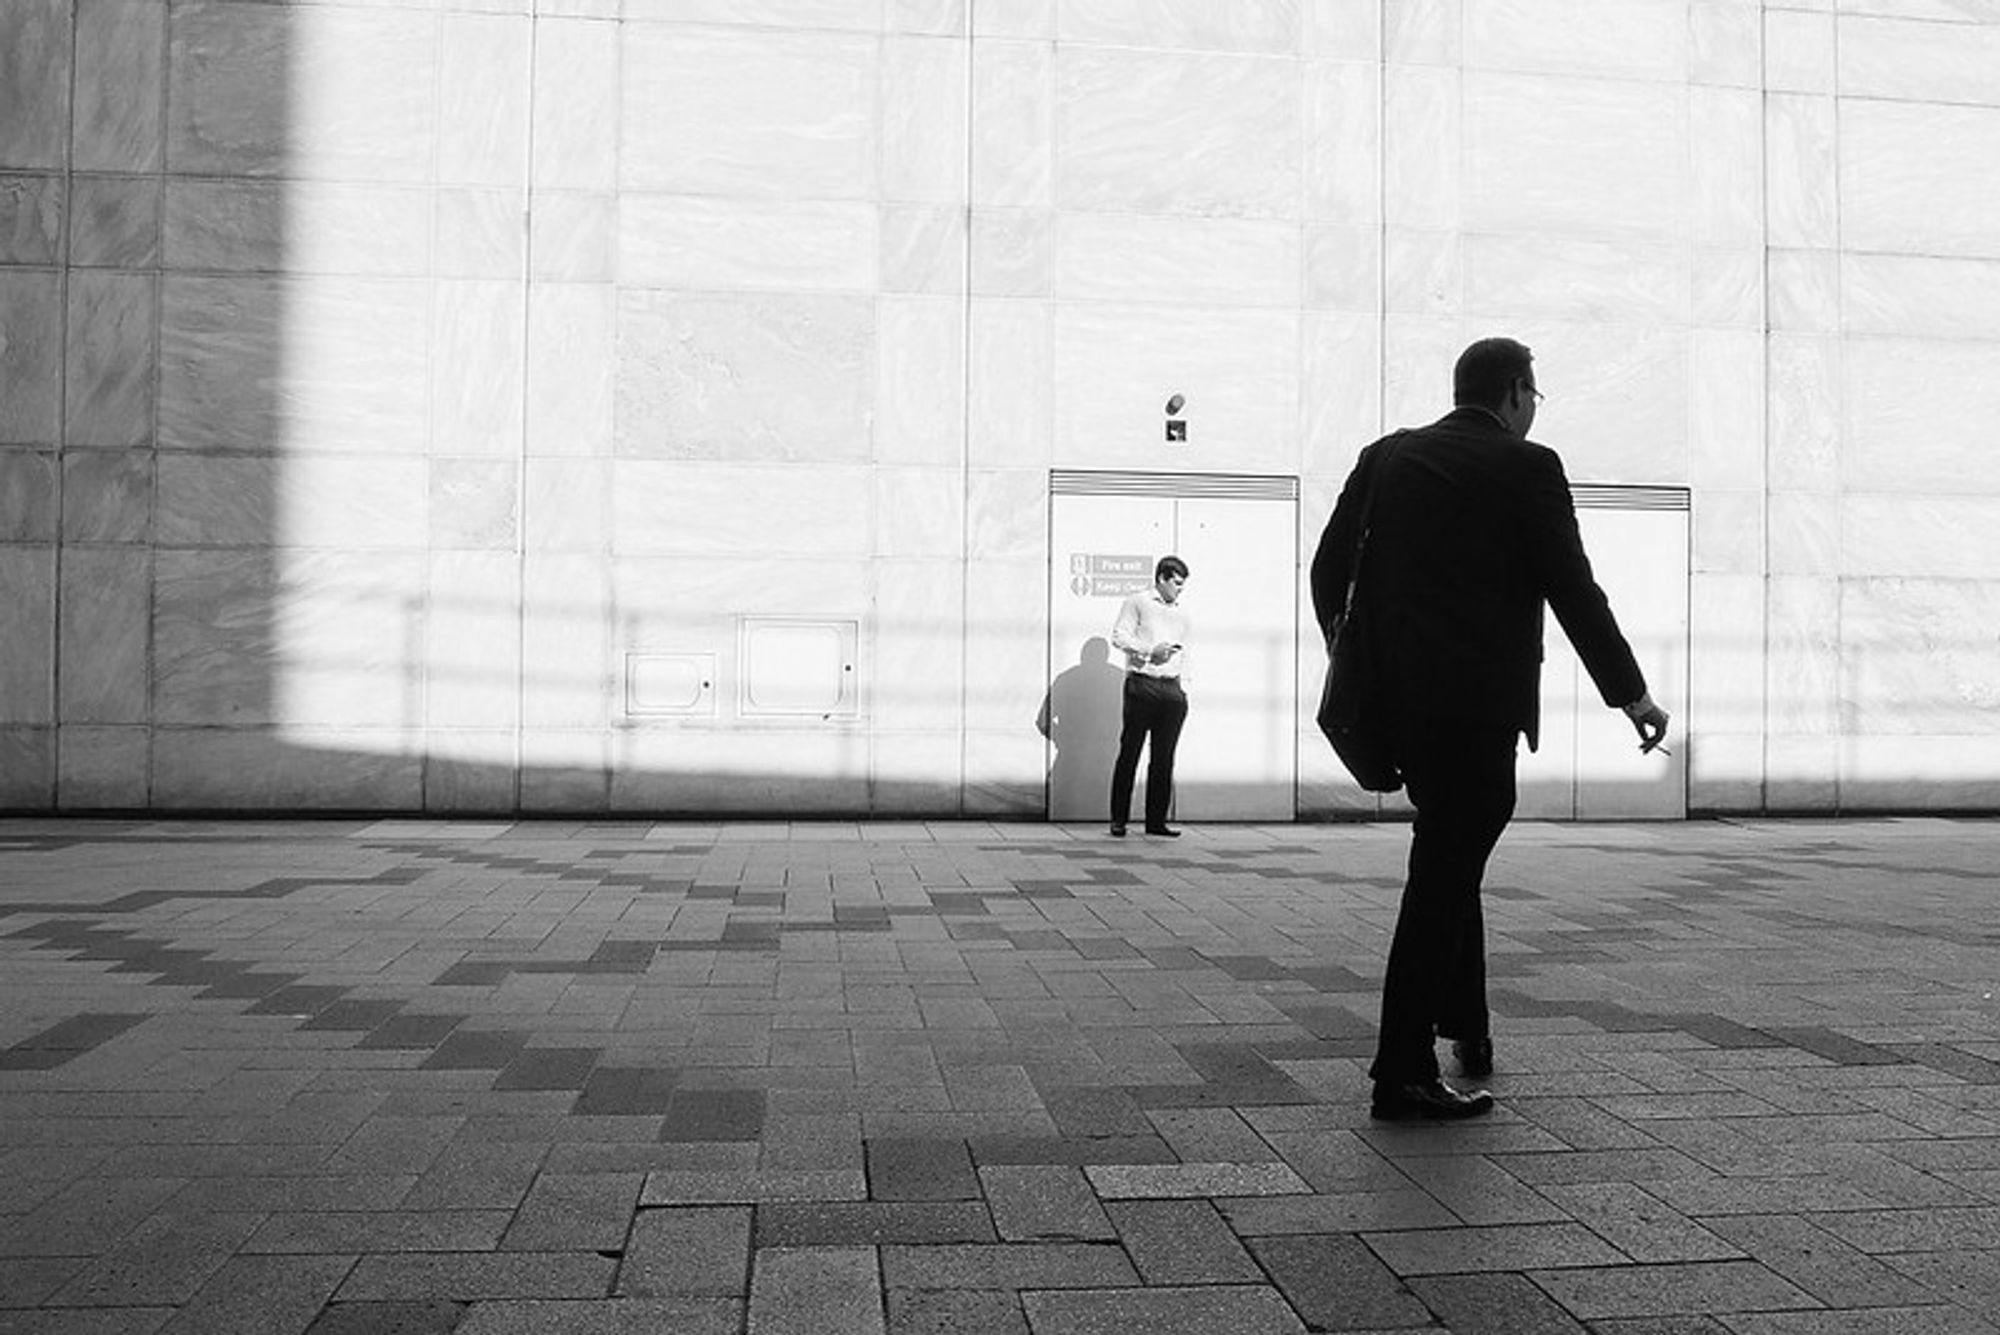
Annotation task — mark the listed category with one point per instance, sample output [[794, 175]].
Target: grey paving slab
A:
[[591, 1075], [809, 1290], [1217, 1310]]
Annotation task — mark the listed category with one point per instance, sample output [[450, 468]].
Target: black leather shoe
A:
[[1117, 831], [1427, 1101], [1162, 832], [1475, 1056]]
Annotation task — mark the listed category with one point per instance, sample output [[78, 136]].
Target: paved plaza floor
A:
[[984, 1079]]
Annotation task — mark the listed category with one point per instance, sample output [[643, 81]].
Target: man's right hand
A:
[[1649, 721], [1162, 652]]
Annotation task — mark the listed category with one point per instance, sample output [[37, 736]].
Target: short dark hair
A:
[[1170, 565], [1488, 369]]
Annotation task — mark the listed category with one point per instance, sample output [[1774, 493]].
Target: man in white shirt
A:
[[1151, 632]]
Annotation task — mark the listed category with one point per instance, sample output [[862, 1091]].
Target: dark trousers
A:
[[1460, 777], [1155, 707]]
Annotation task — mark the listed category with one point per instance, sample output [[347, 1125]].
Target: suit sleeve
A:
[[1571, 589], [1333, 563]]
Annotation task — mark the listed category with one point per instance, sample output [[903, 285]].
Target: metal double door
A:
[[1238, 756]]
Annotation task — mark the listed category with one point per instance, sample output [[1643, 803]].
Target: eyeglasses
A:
[[1539, 396]]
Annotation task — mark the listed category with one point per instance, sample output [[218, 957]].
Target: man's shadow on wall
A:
[[1082, 714]]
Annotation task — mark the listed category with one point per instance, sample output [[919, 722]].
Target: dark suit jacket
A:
[[1473, 532]]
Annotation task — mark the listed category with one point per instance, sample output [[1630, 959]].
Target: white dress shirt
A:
[[1144, 620]]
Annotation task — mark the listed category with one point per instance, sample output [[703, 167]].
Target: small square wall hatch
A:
[[669, 684], [799, 667]]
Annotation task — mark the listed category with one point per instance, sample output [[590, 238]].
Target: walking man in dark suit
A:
[[1473, 531]]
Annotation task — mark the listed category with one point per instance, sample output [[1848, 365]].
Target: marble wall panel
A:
[[1728, 288], [1342, 399], [917, 654], [773, 772], [115, 222], [565, 771], [916, 772], [1942, 11], [1947, 537], [567, 505], [479, 233], [1423, 32], [28, 496], [206, 500], [920, 380], [112, 351], [1803, 290], [1726, 682], [850, 15], [1802, 438], [468, 771], [1210, 261], [1802, 145], [572, 337], [923, 119], [1585, 158], [1798, 51], [103, 769], [485, 82], [106, 610], [1423, 273], [1006, 515], [1725, 43], [1422, 139], [710, 244], [761, 114], [1726, 169], [1011, 399], [347, 627], [351, 503], [1802, 656], [576, 104], [1725, 410], [1025, 19], [240, 226], [721, 509], [215, 644], [107, 496], [117, 121], [31, 353], [243, 769], [1165, 132], [256, 90], [29, 648], [933, 18], [1115, 366], [1265, 27], [1343, 30], [1725, 772], [1343, 162], [574, 236], [1802, 533], [1417, 356], [294, 365], [1915, 416], [1007, 655], [766, 376], [567, 676], [1006, 775], [1918, 179], [1728, 532], [1609, 39], [1920, 296], [474, 503], [923, 249], [1617, 399], [1564, 278], [27, 767], [1917, 657], [1343, 269], [31, 219], [472, 641], [35, 42], [1902, 773], [691, 604], [1013, 252], [476, 368], [1013, 123], [1920, 61]]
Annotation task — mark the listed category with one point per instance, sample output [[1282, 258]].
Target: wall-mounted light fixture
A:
[[1176, 424]]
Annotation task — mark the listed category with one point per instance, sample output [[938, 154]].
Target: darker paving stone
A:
[[1071, 1150], [357, 1015], [1250, 968], [1008, 1267], [626, 1092], [476, 1050], [1104, 948], [81, 1033], [1044, 1203], [1173, 958], [1721, 1033], [1334, 1282], [638, 954], [958, 902], [1051, 941], [1495, 1305], [1235, 1309], [575, 1212], [475, 973], [872, 1223], [695, 1115], [549, 1068], [1327, 1022], [433, 1318], [1181, 1242], [740, 930], [248, 985], [415, 1032], [303, 1000], [924, 1312], [1836, 1047], [1972, 1069], [1094, 1111], [909, 1168]]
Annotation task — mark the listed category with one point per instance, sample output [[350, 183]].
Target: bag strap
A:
[[1368, 517]]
